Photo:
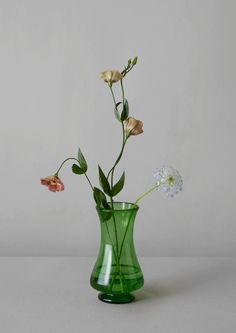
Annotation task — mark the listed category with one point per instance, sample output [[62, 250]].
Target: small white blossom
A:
[[168, 180]]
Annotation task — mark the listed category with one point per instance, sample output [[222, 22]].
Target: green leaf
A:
[[106, 205], [127, 106], [119, 185], [77, 170], [101, 202], [125, 112], [98, 195], [82, 161], [117, 115], [104, 182]]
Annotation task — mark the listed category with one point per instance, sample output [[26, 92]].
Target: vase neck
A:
[[117, 224]]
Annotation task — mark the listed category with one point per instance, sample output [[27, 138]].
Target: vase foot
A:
[[116, 298]]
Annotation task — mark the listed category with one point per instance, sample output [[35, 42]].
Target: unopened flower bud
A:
[[135, 60]]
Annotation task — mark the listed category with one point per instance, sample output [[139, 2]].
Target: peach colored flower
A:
[[111, 76], [53, 183], [133, 126]]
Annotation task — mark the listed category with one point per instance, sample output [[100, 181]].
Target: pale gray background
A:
[[52, 101]]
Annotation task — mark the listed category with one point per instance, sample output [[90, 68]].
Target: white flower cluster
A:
[[168, 180]]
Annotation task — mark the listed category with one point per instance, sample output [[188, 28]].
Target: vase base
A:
[[116, 298]]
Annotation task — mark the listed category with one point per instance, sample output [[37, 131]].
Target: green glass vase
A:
[[117, 272]]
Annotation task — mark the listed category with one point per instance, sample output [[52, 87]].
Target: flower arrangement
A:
[[117, 271], [167, 179]]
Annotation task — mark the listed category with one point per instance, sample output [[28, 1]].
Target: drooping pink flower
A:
[[53, 183]]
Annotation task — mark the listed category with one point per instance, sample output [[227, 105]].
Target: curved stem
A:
[[125, 71], [67, 159], [111, 172], [138, 199], [88, 180], [118, 158], [126, 230], [75, 159], [146, 193], [123, 136]]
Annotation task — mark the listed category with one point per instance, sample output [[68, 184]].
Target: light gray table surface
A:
[[51, 294]]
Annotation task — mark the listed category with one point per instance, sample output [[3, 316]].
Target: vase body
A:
[[117, 271]]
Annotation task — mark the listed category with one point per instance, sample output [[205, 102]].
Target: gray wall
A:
[[52, 101]]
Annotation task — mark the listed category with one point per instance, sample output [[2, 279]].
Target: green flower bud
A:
[[135, 60]]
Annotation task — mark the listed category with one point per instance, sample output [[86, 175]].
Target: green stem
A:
[[75, 159], [108, 232], [113, 97], [146, 193], [138, 199], [111, 172], [67, 159], [123, 240], [118, 159], [114, 223], [123, 93], [123, 134], [115, 251], [125, 71], [88, 180]]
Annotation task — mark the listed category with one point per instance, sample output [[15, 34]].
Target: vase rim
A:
[[133, 207]]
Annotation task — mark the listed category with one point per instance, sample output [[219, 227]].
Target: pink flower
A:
[[53, 183]]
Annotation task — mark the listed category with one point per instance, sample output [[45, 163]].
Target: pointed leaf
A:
[[106, 215], [98, 195], [106, 205], [77, 170], [119, 185], [117, 115], [125, 112], [101, 202], [82, 161], [104, 182]]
